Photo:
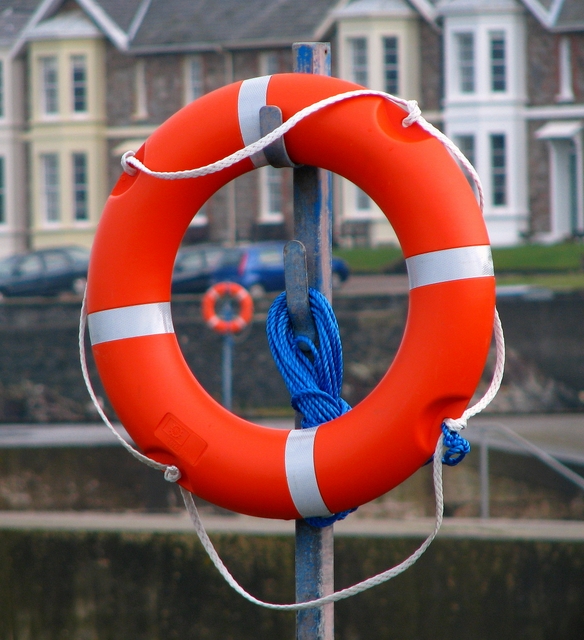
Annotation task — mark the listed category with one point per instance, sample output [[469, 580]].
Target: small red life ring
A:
[[385, 438], [221, 290]]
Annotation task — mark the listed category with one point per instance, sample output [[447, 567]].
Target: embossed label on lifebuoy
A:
[[180, 438]]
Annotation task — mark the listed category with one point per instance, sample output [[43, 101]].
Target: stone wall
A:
[[151, 586], [40, 376]]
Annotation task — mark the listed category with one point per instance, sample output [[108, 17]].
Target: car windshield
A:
[[231, 257], [79, 254]]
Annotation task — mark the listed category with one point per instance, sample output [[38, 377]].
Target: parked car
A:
[[194, 267], [259, 268], [46, 272]]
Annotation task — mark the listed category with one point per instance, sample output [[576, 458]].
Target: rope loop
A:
[[314, 380]]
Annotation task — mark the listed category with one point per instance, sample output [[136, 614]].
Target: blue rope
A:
[[457, 446], [314, 382]]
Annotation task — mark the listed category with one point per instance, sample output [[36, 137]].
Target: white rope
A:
[[343, 593], [171, 473], [130, 165]]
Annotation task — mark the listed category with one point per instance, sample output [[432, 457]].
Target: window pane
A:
[[466, 62], [196, 77], [50, 186], [466, 143], [2, 192], [79, 83], [358, 53], [274, 190], [2, 114], [80, 186], [498, 63], [499, 169], [49, 86], [391, 65], [362, 200]]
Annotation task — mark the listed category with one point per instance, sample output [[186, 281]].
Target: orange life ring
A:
[[221, 290], [390, 434]]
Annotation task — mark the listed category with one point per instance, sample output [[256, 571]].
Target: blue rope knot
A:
[[457, 447], [314, 381]]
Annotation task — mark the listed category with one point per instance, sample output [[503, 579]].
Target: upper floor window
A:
[[498, 62], [362, 200], [269, 63], [80, 200], [79, 83], [272, 206], [499, 169], [140, 94], [358, 60], [2, 112], [2, 192], [51, 205], [49, 85], [566, 88], [391, 65], [465, 51], [195, 81]]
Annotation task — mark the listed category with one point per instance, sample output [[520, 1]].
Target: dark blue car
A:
[[259, 268], [46, 272]]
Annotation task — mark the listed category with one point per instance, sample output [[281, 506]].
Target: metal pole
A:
[[227, 364], [227, 370], [313, 228]]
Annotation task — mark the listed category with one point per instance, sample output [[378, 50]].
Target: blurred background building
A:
[[83, 81]]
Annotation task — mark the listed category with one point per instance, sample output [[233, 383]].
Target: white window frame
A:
[[78, 61], [194, 77], [49, 87], [80, 186], [499, 170], [565, 75], [393, 68], [269, 63], [271, 182], [3, 211], [498, 67], [466, 65], [140, 91], [2, 90], [50, 188], [358, 57]]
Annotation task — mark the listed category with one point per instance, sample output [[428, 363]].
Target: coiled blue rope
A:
[[314, 382], [457, 447]]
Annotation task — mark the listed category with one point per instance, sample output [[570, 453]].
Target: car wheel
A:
[[257, 291], [78, 286]]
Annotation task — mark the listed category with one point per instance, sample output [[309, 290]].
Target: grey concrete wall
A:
[[150, 586]]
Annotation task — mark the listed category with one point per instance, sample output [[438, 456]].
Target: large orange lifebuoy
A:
[[224, 325], [390, 434]]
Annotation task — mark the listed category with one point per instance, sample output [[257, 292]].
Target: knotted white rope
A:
[[131, 165]]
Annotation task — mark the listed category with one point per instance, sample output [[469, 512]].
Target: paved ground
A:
[[475, 528], [561, 435]]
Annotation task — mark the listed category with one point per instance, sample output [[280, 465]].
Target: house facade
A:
[[83, 81]]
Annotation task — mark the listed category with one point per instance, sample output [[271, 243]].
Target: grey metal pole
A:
[[313, 228]]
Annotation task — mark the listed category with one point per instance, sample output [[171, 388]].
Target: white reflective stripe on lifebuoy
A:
[[130, 322], [450, 264], [252, 97], [301, 474]]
